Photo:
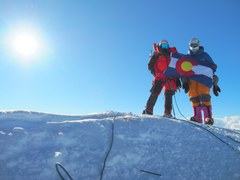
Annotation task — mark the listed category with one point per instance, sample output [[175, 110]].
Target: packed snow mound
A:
[[114, 145]]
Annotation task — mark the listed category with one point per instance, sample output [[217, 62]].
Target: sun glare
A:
[[26, 44]]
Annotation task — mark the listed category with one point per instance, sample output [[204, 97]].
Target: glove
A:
[[178, 83], [216, 88], [173, 50], [186, 87]]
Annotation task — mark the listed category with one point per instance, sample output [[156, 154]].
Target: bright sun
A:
[[26, 44]]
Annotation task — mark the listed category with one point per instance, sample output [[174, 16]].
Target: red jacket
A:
[[162, 63]]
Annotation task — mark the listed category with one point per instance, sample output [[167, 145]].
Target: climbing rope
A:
[[110, 146], [58, 165], [212, 133], [149, 172]]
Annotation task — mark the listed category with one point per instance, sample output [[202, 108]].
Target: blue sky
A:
[[94, 54]]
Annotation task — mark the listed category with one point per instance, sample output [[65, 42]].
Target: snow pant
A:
[[199, 95], [155, 91]]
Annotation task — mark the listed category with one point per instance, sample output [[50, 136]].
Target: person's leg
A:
[[197, 114], [155, 91], [207, 111], [193, 93], [168, 103], [205, 99], [194, 98]]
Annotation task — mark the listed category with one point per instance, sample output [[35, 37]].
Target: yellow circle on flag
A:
[[186, 66]]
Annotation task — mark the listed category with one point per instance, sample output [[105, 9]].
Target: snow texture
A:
[[132, 147]]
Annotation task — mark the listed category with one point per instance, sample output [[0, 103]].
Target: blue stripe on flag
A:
[[202, 79], [171, 72]]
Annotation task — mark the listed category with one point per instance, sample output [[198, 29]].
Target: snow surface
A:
[[143, 147]]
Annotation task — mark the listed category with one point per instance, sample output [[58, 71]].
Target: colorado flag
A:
[[185, 66]]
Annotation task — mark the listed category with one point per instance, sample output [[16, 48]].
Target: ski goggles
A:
[[164, 46], [194, 45]]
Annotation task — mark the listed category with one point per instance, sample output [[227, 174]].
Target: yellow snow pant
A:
[[199, 94]]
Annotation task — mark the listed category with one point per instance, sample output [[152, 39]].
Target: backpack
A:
[[151, 63], [153, 59]]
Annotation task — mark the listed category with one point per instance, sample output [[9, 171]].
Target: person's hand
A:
[[216, 88], [173, 50]]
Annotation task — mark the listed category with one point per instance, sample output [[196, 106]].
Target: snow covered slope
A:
[[115, 146]]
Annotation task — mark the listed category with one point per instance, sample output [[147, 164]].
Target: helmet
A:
[[194, 41], [164, 44], [194, 44]]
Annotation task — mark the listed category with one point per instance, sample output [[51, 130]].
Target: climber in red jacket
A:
[[158, 63]]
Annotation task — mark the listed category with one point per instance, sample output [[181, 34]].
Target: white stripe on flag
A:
[[203, 70], [173, 62]]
